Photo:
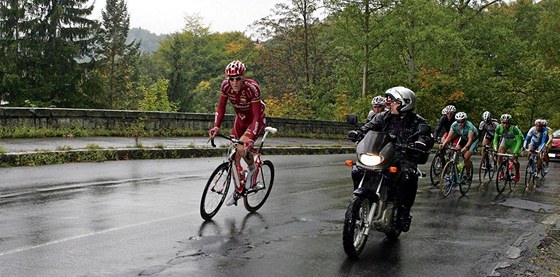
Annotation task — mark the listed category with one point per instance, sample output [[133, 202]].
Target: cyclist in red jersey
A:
[[245, 96]]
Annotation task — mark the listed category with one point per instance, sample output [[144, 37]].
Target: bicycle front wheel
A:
[[215, 191], [484, 171], [503, 178], [256, 197], [448, 178], [530, 175], [466, 176]]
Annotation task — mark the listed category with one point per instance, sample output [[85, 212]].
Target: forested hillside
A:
[[313, 59], [149, 42]]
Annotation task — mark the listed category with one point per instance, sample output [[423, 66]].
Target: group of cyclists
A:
[[501, 135]]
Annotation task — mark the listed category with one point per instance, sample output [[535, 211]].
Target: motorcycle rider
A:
[[403, 124]]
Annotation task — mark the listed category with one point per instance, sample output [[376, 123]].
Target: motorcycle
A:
[[374, 204]]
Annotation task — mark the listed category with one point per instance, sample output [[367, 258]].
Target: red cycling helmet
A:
[[235, 68]]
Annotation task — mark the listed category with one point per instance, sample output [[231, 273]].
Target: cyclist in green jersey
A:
[[507, 137], [469, 137]]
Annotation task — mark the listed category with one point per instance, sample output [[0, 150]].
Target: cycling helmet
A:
[[403, 95], [539, 122], [544, 122], [505, 117], [486, 116], [235, 68], [443, 111], [379, 100], [450, 109], [460, 116]]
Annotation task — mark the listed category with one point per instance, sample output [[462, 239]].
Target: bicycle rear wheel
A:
[[256, 197], [503, 177], [466, 177], [215, 191], [448, 178], [435, 168]]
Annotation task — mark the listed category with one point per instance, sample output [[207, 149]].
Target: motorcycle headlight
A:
[[370, 159]]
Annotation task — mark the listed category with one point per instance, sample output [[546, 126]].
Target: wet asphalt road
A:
[[141, 218]]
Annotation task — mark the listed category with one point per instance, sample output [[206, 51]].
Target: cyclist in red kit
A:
[[245, 96]]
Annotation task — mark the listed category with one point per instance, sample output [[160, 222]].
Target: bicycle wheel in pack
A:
[[529, 175], [448, 178], [435, 169], [483, 171], [256, 197], [466, 179], [215, 191], [502, 179]]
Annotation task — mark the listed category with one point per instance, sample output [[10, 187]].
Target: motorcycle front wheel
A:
[[353, 235]]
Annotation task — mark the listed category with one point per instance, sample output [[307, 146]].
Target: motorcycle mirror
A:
[[424, 129], [352, 119]]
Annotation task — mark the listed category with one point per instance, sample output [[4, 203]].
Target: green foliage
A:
[[501, 56], [155, 97]]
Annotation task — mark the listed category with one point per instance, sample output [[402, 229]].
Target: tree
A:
[[116, 60]]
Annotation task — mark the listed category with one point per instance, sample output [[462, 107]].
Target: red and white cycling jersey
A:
[[248, 107]]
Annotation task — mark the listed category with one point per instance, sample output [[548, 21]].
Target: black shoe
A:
[[403, 221]]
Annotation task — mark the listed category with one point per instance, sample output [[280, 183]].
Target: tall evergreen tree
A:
[[116, 59]]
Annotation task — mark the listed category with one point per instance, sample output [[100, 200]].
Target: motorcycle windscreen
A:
[[373, 142]]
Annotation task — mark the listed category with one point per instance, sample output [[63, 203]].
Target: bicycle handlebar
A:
[[267, 130]]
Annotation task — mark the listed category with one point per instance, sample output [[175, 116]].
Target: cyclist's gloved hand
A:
[[249, 144], [213, 132]]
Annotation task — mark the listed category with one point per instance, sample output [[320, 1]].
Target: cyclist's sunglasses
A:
[[505, 122], [460, 121], [235, 78]]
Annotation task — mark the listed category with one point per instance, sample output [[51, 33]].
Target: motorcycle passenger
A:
[[244, 95], [402, 123], [469, 137], [536, 139], [378, 104], [508, 137]]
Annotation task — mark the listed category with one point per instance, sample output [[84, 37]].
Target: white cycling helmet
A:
[[505, 117], [539, 122], [450, 109], [403, 95], [379, 100], [544, 123], [460, 116], [486, 116]]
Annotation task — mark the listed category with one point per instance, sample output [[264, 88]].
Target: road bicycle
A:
[[533, 170], [488, 165], [506, 173], [453, 174], [228, 173]]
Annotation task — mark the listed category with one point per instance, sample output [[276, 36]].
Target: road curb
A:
[[523, 246]]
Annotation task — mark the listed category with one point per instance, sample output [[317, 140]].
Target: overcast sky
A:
[[167, 16]]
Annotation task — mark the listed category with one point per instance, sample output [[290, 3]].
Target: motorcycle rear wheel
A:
[[353, 237]]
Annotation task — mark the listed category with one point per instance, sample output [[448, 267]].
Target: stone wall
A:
[[118, 119]]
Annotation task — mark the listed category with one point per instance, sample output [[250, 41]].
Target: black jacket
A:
[[403, 127]]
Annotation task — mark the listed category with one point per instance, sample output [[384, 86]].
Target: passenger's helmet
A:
[[505, 117], [379, 100], [403, 95], [486, 116], [460, 116], [450, 109], [235, 68]]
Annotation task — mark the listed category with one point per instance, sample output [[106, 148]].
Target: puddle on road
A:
[[528, 205]]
